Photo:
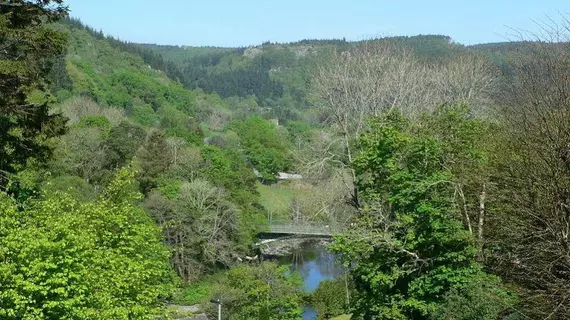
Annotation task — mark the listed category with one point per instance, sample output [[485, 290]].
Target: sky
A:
[[231, 23]]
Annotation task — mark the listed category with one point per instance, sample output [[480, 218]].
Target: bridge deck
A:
[[302, 229]]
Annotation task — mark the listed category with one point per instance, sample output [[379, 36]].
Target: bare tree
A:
[[201, 226], [76, 108], [534, 230], [467, 78], [379, 76], [175, 144], [82, 152]]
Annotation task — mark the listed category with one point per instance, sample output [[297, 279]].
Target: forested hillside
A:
[[136, 176], [135, 180], [285, 63], [278, 75]]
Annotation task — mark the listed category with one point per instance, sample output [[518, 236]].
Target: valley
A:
[[403, 177]]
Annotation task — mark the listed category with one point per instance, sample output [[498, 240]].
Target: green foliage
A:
[[263, 292], [101, 69], [266, 150], [330, 298], [123, 141], [73, 186], [232, 75], [298, 130], [170, 188], [100, 122], [28, 48], [177, 124], [405, 178], [144, 114], [154, 158], [229, 169], [480, 299], [194, 294], [62, 259], [198, 292]]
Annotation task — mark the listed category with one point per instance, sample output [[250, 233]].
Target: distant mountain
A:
[[276, 75]]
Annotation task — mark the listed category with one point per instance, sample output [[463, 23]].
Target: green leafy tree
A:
[[61, 259], [27, 49], [99, 121], [412, 247], [74, 186], [266, 150], [154, 158], [124, 140], [228, 168], [479, 299], [267, 291], [331, 298]]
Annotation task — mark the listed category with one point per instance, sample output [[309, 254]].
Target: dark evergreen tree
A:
[[28, 48]]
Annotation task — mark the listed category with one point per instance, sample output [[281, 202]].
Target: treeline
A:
[[251, 80], [154, 60], [248, 79]]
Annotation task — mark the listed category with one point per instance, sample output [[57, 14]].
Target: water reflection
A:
[[315, 264]]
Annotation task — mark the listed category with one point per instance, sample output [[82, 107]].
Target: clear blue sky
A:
[[247, 22]]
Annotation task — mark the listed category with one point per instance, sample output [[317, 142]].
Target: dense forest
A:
[[137, 176]]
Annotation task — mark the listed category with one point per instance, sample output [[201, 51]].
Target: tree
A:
[[478, 299], [266, 150], [531, 237], [411, 247], [73, 186], [201, 226], [27, 49], [468, 144], [379, 76], [267, 291], [229, 168], [330, 298], [124, 140], [62, 259], [82, 152], [154, 158]]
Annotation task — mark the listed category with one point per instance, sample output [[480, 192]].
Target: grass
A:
[[276, 199], [343, 317], [195, 293]]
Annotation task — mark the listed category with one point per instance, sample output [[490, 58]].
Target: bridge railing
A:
[[303, 227]]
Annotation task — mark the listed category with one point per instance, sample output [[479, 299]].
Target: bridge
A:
[[302, 228]]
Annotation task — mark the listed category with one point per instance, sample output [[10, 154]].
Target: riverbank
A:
[[286, 247], [310, 258]]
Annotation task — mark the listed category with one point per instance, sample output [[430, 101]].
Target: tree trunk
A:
[[465, 212], [355, 200], [482, 198], [347, 292]]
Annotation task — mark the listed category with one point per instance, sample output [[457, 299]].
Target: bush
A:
[[329, 300], [144, 114], [60, 259], [264, 292], [481, 299], [196, 293]]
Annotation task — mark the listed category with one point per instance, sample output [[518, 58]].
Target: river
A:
[[315, 264]]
